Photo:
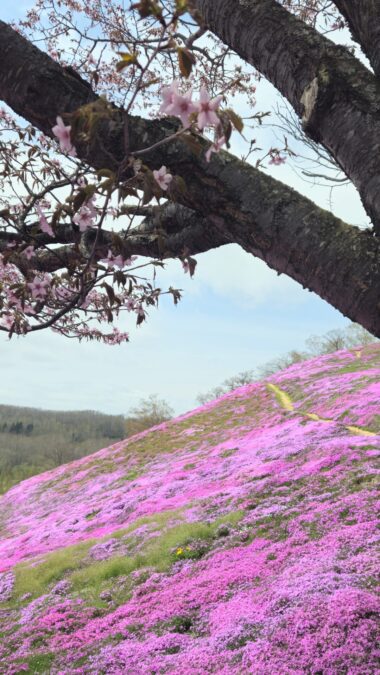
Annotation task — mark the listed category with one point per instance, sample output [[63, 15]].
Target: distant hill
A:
[[239, 538], [33, 440]]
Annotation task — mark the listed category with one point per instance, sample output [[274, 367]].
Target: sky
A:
[[235, 314]]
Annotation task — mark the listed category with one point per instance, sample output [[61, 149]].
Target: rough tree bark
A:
[[336, 96], [226, 201], [363, 19]]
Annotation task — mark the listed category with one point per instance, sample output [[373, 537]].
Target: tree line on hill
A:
[[33, 440], [351, 336]]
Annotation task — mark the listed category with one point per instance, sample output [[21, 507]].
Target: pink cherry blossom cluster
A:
[[37, 296], [202, 112], [118, 260], [44, 224], [163, 178], [86, 215], [40, 286], [182, 106]]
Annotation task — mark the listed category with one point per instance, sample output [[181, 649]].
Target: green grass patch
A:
[[157, 522], [91, 515], [229, 452], [40, 663], [91, 577], [359, 482], [273, 527], [157, 553], [36, 579], [313, 529], [354, 367]]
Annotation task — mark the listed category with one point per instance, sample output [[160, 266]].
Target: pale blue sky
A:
[[235, 315]]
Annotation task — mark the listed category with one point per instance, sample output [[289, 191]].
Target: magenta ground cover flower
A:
[[239, 538]]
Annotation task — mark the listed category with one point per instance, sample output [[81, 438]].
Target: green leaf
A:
[[105, 173], [180, 7], [127, 59]]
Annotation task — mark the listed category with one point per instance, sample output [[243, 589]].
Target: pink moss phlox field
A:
[[239, 538]]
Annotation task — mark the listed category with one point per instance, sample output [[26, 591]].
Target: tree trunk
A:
[[337, 98], [235, 202], [363, 18]]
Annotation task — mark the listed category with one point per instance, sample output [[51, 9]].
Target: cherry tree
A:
[[114, 153]]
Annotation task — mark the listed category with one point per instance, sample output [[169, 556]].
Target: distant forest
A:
[[32, 440]]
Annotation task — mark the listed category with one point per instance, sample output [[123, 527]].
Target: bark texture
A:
[[170, 231], [336, 96], [363, 18], [226, 200]]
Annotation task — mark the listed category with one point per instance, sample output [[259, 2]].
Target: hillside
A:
[[33, 440], [239, 538]]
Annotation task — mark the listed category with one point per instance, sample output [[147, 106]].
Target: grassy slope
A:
[[238, 538]]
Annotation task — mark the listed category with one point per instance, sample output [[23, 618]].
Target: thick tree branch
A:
[[337, 98], [232, 201], [363, 18], [169, 231]]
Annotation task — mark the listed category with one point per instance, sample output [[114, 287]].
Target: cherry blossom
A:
[[39, 287], [62, 293], [163, 178], [28, 252], [113, 260], [6, 321], [206, 107], [84, 218], [167, 95], [179, 105], [44, 225], [277, 160], [62, 132]]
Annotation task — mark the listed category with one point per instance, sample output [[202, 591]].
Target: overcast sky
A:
[[235, 314]]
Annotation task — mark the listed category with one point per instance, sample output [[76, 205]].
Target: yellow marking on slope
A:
[[358, 353], [281, 397], [286, 403], [317, 418], [360, 432]]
